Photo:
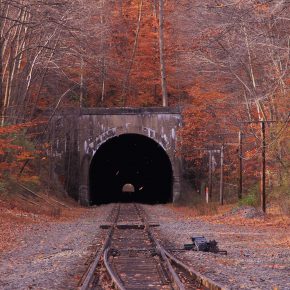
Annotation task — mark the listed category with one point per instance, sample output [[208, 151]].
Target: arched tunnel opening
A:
[[130, 161]]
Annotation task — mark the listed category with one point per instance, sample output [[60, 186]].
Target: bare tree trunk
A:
[[127, 78], [103, 71], [34, 104], [1, 74], [16, 37], [121, 8], [161, 51], [1, 58], [82, 82]]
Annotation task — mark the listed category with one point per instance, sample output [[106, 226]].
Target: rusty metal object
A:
[[115, 278], [201, 244], [89, 275], [134, 259]]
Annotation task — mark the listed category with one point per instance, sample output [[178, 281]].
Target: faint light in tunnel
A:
[[128, 187], [134, 159]]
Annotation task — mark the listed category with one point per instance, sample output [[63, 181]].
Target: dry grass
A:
[[202, 209], [18, 215], [215, 213]]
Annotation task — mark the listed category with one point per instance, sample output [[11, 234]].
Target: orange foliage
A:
[[12, 152], [205, 121]]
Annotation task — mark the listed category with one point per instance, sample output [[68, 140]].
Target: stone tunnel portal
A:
[[130, 159]]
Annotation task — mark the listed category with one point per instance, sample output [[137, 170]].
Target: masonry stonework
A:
[[83, 132]]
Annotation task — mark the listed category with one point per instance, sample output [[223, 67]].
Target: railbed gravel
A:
[[53, 255], [255, 259]]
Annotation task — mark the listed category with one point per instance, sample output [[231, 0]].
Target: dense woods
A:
[[225, 63]]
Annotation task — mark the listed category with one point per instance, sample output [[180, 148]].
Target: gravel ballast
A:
[[258, 257], [52, 255]]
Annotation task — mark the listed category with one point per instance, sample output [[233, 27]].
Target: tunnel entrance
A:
[[130, 159]]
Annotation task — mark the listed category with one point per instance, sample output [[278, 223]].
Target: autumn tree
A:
[[241, 53], [224, 62]]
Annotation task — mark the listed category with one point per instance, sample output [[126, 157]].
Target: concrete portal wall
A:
[[94, 126], [99, 125]]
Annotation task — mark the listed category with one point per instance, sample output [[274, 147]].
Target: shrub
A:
[[251, 198]]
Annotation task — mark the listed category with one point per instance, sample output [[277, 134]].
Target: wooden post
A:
[[263, 161], [210, 175], [240, 193], [206, 194], [263, 171], [222, 177]]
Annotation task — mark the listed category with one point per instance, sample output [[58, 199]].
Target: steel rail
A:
[[168, 259], [204, 281], [174, 276], [113, 275], [91, 270]]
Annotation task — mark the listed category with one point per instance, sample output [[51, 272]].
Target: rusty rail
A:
[[88, 276], [174, 277], [118, 263], [204, 281], [117, 282]]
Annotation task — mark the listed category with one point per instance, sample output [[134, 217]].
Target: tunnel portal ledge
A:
[[130, 111]]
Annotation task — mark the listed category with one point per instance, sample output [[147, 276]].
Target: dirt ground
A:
[[258, 247], [42, 251]]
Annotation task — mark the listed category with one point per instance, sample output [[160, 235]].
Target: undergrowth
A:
[[281, 194], [251, 198], [196, 201]]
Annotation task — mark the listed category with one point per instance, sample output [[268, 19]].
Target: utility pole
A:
[[263, 169], [222, 177], [240, 193], [210, 175], [263, 161]]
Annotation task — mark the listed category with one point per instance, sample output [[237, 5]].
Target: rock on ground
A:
[[258, 256]]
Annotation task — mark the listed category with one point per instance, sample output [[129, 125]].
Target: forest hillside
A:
[[224, 63]]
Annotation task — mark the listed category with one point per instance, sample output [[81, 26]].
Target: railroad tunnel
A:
[[130, 161]]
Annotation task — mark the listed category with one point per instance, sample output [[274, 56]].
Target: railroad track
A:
[[132, 258]]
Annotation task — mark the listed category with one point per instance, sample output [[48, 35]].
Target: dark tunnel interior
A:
[[135, 160]]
